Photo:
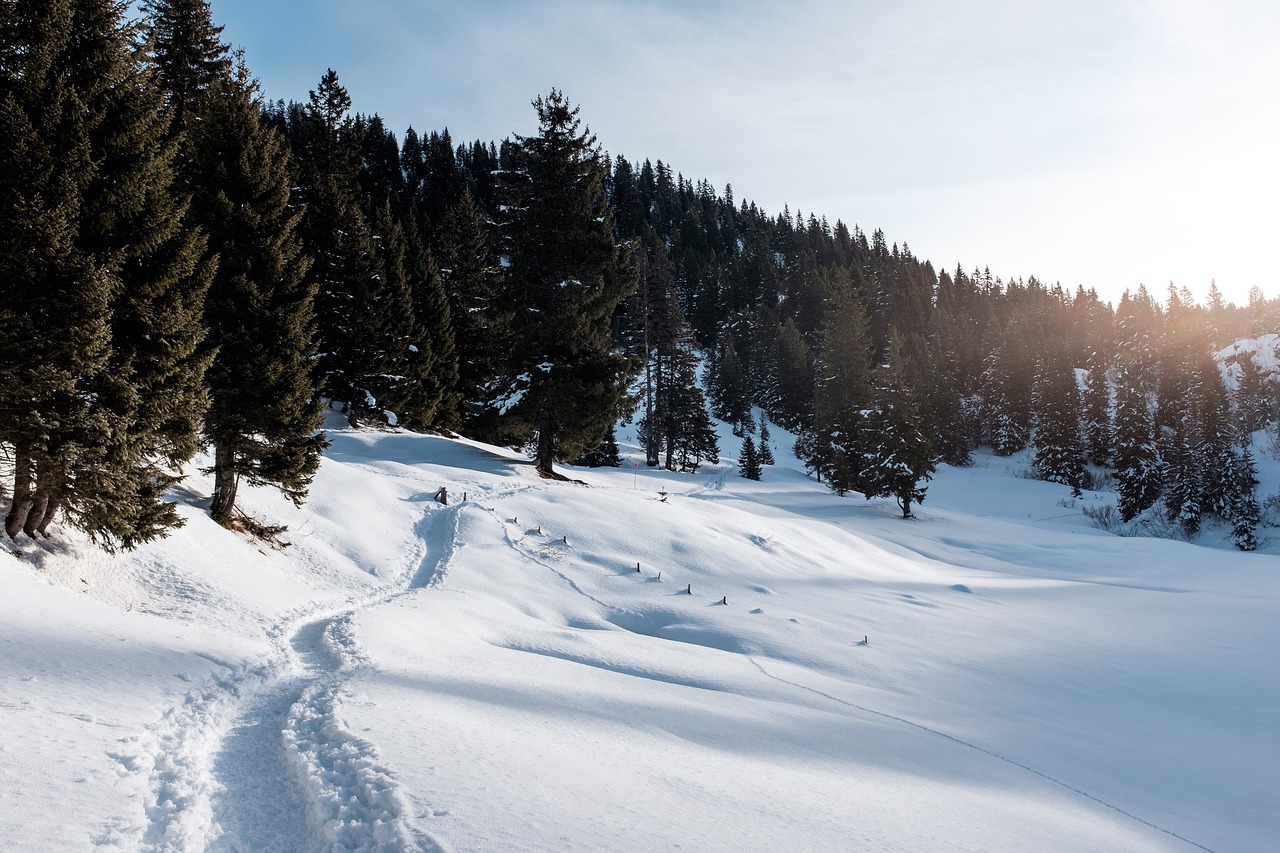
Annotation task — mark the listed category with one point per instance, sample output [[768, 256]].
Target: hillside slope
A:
[[808, 672]]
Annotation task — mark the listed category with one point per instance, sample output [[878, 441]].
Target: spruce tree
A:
[[1182, 488], [264, 413], [1242, 511], [103, 430], [604, 456], [898, 455], [566, 277], [1254, 396], [188, 54], [1059, 456], [687, 434], [1096, 412], [749, 460], [480, 321], [730, 393], [1137, 460], [441, 383], [842, 394], [339, 239], [766, 452]]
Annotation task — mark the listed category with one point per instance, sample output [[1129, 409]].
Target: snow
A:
[[1262, 350], [495, 674]]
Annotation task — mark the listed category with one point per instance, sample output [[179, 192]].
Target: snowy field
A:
[[807, 673]]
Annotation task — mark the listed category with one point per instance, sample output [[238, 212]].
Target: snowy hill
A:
[[496, 674]]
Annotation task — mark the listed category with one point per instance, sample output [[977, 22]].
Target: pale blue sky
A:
[[1103, 142]]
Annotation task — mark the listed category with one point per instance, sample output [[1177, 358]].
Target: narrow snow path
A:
[[260, 760]]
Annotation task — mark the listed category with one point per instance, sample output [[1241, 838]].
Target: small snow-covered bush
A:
[[1104, 517]]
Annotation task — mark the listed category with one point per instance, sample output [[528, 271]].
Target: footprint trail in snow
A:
[[259, 760]]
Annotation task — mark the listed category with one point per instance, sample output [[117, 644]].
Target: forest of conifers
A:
[[189, 266]]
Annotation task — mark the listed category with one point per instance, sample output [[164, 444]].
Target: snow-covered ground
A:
[[497, 675]]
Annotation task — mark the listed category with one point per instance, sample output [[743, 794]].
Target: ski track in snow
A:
[[974, 746], [257, 759]]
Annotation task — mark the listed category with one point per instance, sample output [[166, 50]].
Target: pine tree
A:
[[481, 322], [766, 452], [1211, 433], [749, 460], [441, 383], [566, 276], [1182, 488], [1241, 504], [264, 416], [1137, 460], [794, 407], [394, 372], [1253, 400], [1059, 456], [99, 433], [188, 55], [842, 396], [1096, 413], [678, 422], [604, 456], [341, 244], [730, 395], [898, 458], [1006, 411]]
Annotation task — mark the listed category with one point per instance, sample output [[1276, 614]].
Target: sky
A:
[[1108, 143]]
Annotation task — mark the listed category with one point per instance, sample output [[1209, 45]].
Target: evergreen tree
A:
[[1183, 490], [730, 394], [566, 275], [842, 394], [1059, 456], [1211, 433], [1253, 400], [1137, 460], [481, 322], [98, 431], [395, 373], [264, 414], [794, 400], [766, 452], [678, 422], [1242, 511], [898, 458], [1095, 406], [749, 460], [441, 383], [1005, 392], [604, 456], [188, 54]]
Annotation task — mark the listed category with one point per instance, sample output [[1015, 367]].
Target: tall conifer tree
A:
[[567, 275], [124, 412], [264, 414]]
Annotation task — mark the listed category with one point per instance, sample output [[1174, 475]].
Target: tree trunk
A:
[[35, 516], [545, 453], [23, 497], [225, 482], [49, 485], [50, 513]]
